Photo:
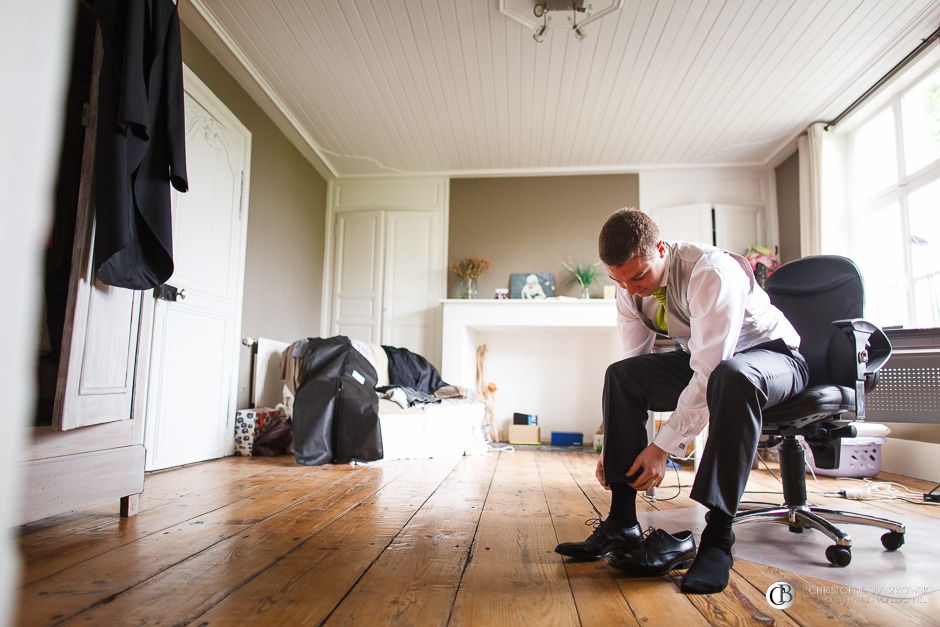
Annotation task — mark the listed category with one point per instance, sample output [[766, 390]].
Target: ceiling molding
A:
[[567, 171], [210, 32]]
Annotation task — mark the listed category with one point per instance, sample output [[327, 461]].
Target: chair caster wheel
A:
[[795, 529], [892, 540], [839, 556]]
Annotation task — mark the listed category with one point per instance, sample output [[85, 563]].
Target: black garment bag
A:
[[336, 409]]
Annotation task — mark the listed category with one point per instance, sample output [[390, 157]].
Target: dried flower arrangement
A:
[[471, 267]]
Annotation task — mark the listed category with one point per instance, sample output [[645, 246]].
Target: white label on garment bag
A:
[[358, 377]]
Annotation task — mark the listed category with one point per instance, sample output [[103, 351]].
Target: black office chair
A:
[[823, 297]]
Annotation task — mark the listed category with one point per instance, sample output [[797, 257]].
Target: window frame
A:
[[899, 191]]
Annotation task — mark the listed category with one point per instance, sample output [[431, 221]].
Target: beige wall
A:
[[915, 431], [787, 177], [533, 224], [287, 203]]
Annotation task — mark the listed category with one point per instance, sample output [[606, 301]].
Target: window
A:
[[894, 205]]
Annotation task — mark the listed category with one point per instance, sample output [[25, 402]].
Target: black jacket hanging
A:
[[140, 147]]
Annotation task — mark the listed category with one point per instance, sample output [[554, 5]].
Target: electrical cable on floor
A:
[[876, 490]]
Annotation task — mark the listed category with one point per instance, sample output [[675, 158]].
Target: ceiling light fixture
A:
[[537, 14], [540, 32]]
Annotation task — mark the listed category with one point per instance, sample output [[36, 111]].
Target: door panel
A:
[[411, 292], [100, 338], [739, 226], [687, 223], [193, 380], [100, 382], [357, 275], [189, 390]]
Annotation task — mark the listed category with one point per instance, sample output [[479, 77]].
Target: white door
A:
[[410, 285], [739, 226], [193, 375], [686, 223], [100, 346], [357, 275]]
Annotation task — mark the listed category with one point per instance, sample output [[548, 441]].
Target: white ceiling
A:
[[377, 87]]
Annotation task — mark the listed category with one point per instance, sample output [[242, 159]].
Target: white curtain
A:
[[822, 192]]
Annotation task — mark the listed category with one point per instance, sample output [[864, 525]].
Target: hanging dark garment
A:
[[410, 370], [140, 147], [336, 409]]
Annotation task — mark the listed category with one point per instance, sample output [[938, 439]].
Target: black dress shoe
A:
[[608, 535], [659, 553]]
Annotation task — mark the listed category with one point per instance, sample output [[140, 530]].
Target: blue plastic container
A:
[[567, 438]]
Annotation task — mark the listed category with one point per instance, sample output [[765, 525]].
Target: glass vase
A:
[[585, 291], [468, 287]]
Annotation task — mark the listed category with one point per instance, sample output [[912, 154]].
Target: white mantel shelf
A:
[[462, 318]]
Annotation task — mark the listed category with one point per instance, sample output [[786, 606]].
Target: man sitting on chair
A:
[[738, 355]]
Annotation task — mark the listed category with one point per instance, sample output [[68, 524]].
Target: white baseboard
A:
[[911, 458]]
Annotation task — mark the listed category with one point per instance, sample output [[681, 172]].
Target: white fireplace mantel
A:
[[463, 318]]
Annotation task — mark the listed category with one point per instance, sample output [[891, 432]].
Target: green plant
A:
[[585, 274]]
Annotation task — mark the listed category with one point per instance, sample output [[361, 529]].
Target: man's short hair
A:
[[628, 233]]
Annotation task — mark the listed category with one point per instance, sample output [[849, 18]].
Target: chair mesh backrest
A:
[[813, 292]]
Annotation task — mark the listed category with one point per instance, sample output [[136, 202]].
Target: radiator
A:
[[908, 387]]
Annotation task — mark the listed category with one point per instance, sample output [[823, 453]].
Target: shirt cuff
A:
[[672, 441]]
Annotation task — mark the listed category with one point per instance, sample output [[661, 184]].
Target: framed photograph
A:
[[531, 285]]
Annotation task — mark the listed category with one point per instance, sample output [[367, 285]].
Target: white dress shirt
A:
[[719, 295]]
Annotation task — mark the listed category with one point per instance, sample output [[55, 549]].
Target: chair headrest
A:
[[812, 275]]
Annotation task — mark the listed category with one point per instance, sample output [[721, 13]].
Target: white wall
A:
[[34, 39], [557, 374], [731, 185]]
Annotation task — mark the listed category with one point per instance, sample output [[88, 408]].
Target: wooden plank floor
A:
[[461, 541]]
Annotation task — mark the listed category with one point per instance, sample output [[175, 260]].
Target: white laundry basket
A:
[[861, 457]]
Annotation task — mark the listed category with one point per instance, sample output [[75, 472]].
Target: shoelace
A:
[[594, 522]]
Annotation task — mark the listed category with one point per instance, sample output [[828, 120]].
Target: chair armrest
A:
[[872, 350], [872, 347]]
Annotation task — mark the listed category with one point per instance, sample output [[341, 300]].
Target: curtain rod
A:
[[881, 81]]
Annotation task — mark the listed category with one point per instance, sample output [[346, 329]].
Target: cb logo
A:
[[780, 595]]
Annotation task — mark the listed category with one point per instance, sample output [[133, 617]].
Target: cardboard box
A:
[[524, 434]]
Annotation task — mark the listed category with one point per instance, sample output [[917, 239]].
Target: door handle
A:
[[169, 293]]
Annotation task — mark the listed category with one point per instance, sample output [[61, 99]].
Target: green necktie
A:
[[660, 294]]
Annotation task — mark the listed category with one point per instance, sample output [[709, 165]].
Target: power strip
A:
[[856, 494]]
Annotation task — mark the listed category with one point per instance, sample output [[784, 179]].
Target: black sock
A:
[[709, 571], [623, 504]]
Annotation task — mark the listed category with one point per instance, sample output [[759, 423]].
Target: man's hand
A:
[[599, 472], [652, 461]]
